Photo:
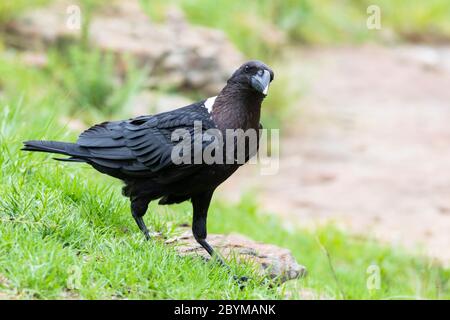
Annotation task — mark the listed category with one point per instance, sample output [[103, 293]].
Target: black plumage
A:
[[138, 151]]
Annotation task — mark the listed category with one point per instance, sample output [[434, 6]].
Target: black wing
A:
[[141, 146]]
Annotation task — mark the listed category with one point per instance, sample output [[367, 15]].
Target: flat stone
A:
[[177, 53], [272, 261]]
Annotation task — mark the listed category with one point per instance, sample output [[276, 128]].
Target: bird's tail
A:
[[65, 148]]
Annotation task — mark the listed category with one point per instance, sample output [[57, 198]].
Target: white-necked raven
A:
[[139, 151]]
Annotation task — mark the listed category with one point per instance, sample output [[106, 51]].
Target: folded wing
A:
[[143, 145]]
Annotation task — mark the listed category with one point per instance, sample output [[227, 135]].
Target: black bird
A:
[[139, 151]]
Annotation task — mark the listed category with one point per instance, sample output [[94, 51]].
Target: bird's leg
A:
[[138, 210], [141, 224], [200, 204]]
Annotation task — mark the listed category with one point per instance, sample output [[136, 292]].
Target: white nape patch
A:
[[266, 89], [209, 103]]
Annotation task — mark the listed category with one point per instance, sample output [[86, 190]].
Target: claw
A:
[[241, 281]]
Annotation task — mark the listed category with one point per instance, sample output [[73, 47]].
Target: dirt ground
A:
[[370, 148]]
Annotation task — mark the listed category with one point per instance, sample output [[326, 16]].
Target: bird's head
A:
[[253, 75]]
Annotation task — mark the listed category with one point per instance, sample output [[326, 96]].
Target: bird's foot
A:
[[241, 281]]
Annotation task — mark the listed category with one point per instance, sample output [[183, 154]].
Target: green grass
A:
[[66, 232], [91, 81]]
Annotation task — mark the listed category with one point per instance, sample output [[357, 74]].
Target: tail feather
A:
[[71, 159], [65, 148]]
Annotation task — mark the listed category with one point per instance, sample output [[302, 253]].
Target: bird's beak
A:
[[261, 81]]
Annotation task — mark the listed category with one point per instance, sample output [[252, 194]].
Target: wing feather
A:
[[143, 144]]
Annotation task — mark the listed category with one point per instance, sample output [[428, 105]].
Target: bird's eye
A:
[[247, 68]]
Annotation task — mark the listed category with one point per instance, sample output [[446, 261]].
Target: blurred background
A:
[[361, 95]]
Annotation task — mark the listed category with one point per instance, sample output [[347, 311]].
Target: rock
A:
[[273, 261], [34, 59], [41, 27], [151, 102], [178, 54]]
